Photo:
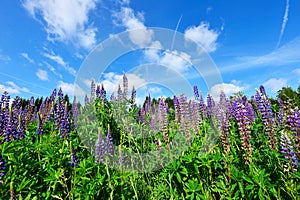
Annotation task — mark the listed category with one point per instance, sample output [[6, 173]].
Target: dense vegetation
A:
[[238, 148]]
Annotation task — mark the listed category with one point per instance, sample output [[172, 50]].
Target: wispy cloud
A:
[[12, 88], [228, 88], [59, 60], [70, 88], [203, 35], [66, 21], [53, 70], [132, 21], [26, 56], [42, 75], [275, 84], [285, 20], [4, 57], [284, 55]]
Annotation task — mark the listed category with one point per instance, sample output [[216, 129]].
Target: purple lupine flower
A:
[[65, 123], [75, 110], [120, 97], [2, 169], [125, 86], [74, 159], [196, 93], [202, 106], [53, 95], [100, 149], [40, 129], [265, 110], [112, 97], [98, 91], [109, 146], [86, 100], [184, 117], [177, 109], [164, 119], [244, 130], [210, 106], [59, 113], [93, 87], [288, 152], [10, 129], [133, 95], [60, 93], [262, 90], [224, 134], [195, 116], [103, 94]]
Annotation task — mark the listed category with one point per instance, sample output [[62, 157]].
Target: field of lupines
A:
[[45, 153]]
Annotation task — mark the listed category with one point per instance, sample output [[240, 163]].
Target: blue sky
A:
[[43, 43]]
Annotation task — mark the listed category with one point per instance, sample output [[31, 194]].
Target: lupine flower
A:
[[184, 117], [93, 87], [195, 116], [287, 150], [133, 95], [243, 124], [264, 107], [210, 106], [196, 93], [100, 149], [177, 109], [59, 113], [164, 119], [125, 86], [120, 94], [86, 100], [2, 169], [103, 94], [65, 123], [40, 129], [75, 110], [10, 129], [74, 159], [112, 97], [202, 107]]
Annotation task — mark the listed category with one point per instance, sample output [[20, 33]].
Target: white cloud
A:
[[70, 88], [42, 75], [127, 17], [227, 88], [66, 20], [59, 60], [284, 21], [12, 88], [112, 80], [275, 84], [53, 70], [202, 35], [178, 61], [26, 56]]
